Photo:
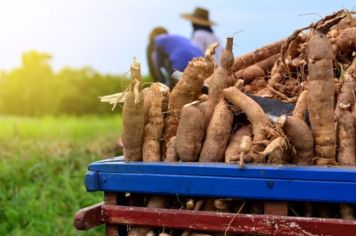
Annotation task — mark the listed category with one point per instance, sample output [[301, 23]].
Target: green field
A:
[[42, 166]]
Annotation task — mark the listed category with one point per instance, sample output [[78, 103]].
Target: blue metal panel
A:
[[92, 182], [345, 174], [292, 183]]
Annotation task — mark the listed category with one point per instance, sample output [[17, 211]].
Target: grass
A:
[[43, 162]]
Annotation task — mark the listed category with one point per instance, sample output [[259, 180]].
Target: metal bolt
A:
[[270, 184]]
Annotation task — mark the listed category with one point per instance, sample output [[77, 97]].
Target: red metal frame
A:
[[223, 222], [110, 200], [88, 217]]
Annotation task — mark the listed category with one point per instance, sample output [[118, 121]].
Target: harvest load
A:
[[314, 69]]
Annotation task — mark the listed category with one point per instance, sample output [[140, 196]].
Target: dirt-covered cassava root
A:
[[346, 123], [187, 90], [233, 150], [153, 130], [259, 54], [346, 139], [264, 134], [245, 147], [301, 106], [300, 137], [258, 119], [253, 111], [148, 97], [218, 134], [147, 100], [171, 154], [345, 42], [256, 70], [345, 120], [346, 97], [218, 81], [133, 117], [321, 96], [276, 144], [190, 132], [251, 73]]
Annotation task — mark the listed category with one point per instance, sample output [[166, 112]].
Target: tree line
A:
[[34, 89]]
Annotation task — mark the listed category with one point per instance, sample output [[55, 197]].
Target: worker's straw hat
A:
[[200, 16]]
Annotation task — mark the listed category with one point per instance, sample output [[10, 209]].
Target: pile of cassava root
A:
[[314, 69]]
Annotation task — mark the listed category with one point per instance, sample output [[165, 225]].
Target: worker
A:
[[203, 34], [167, 53]]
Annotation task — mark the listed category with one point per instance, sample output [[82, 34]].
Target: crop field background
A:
[[58, 57], [43, 162]]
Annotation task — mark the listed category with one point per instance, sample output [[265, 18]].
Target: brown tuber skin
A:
[[251, 73], [153, 130], [172, 154], [148, 96], [300, 137], [346, 139], [259, 54], [256, 85], [277, 72], [345, 42], [233, 150], [268, 63], [275, 81], [219, 80], [253, 111], [256, 70], [227, 58], [321, 96], [346, 98], [276, 144], [346, 120], [187, 90], [347, 212], [164, 234], [245, 147], [133, 117], [147, 99], [218, 134], [256, 116], [138, 231], [301, 106], [190, 133], [293, 48]]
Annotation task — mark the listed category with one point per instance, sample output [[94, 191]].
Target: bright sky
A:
[[106, 34]]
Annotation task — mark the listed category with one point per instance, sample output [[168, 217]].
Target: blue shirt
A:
[[179, 50]]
